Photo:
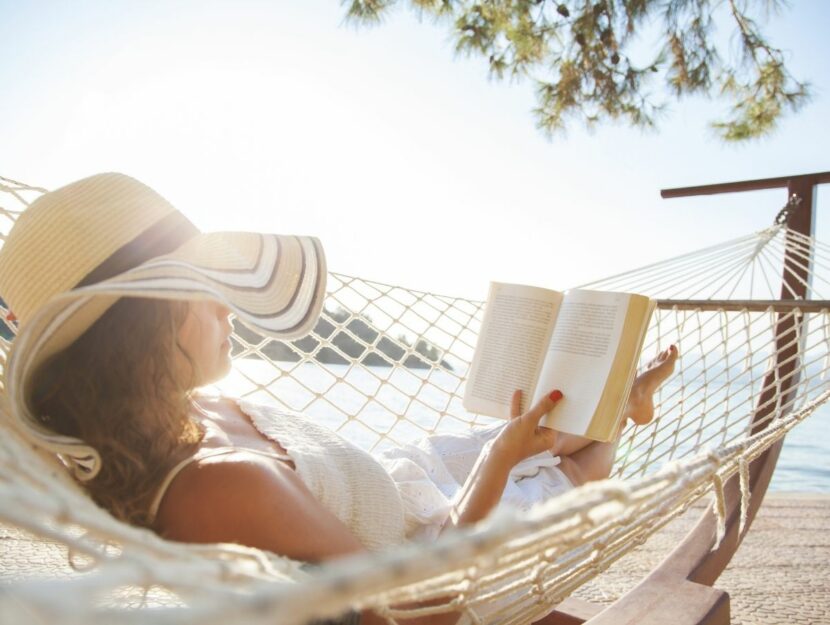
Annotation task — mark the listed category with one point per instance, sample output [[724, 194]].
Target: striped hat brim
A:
[[274, 284]]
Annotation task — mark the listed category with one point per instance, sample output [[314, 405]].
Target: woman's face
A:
[[204, 337]]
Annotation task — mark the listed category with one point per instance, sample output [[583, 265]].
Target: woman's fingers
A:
[[516, 404], [523, 437], [544, 406]]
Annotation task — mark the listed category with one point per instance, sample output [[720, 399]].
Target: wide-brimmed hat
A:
[[76, 250]]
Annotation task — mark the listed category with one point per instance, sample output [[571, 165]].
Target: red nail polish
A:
[[555, 396]]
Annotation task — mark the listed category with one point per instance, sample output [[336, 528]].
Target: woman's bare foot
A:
[[640, 408]]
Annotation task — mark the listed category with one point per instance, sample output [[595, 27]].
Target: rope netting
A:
[[386, 365]]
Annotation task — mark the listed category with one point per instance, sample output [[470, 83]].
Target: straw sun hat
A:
[[75, 251]]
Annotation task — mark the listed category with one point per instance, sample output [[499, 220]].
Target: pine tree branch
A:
[[577, 54]]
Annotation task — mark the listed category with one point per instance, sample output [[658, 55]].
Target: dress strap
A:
[[201, 455]]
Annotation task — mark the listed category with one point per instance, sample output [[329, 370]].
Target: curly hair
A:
[[117, 388]]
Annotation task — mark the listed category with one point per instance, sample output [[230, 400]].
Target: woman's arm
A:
[[521, 438]]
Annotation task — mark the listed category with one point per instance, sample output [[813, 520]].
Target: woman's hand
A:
[[523, 437]]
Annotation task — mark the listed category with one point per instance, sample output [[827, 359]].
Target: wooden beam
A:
[[746, 185], [573, 611], [753, 305], [661, 599], [697, 561]]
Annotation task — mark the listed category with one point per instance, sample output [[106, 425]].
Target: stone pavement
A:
[[780, 573]]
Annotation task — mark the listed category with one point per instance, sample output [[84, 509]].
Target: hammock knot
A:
[[720, 507], [384, 612], [746, 494], [628, 517], [787, 211], [618, 491], [536, 589], [471, 581], [471, 614]]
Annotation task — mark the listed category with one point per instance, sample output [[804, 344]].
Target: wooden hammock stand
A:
[[679, 591]]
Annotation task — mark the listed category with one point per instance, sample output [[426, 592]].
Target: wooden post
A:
[[696, 563], [777, 395]]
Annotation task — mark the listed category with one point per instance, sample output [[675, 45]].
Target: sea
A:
[[803, 466], [804, 463]]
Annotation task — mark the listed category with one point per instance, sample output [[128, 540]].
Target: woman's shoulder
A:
[[248, 499], [214, 490]]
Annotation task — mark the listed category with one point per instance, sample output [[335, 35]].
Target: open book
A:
[[584, 343]]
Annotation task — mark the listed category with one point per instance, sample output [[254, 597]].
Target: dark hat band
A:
[[165, 236]]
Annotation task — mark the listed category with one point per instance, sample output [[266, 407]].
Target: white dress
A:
[[404, 493], [430, 474]]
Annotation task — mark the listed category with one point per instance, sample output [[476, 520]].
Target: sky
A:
[[410, 165]]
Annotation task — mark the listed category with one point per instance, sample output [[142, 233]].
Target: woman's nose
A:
[[222, 311], [223, 315]]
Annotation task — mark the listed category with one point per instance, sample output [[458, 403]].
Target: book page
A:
[[511, 347], [611, 407], [580, 355]]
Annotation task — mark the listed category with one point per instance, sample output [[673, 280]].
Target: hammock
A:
[[387, 364]]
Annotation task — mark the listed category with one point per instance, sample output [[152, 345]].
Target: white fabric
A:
[[430, 474], [346, 480], [403, 493]]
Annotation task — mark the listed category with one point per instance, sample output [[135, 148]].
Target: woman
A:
[[123, 310]]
